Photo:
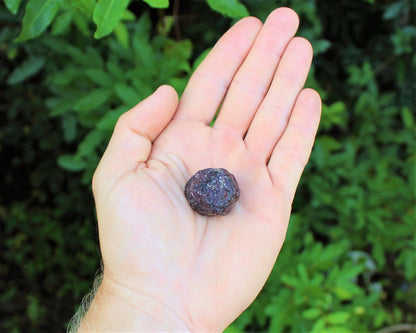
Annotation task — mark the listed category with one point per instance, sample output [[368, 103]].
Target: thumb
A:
[[131, 142]]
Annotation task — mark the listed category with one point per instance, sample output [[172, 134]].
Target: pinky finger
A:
[[292, 151]]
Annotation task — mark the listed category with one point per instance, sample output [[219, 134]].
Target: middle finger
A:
[[252, 80]]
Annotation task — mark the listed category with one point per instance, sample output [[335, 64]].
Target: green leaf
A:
[[320, 46], [39, 14], [328, 143], [26, 70], [346, 290], [157, 3], [110, 118], [179, 84], [350, 273], [62, 23], [82, 24], [115, 69], [144, 52], [230, 8], [336, 329], [93, 99], [334, 114], [342, 293], [122, 35], [12, 5], [303, 274], [291, 281], [407, 117], [178, 50], [71, 162], [62, 105], [164, 25], [311, 313], [379, 254], [33, 308], [409, 264], [89, 143], [85, 6], [393, 10], [232, 329], [128, 16], [143, 26], [339, 317], [66, 76], [69, 127], [93, 58], [100, 77], [107, 14], [127, 94], [318, 326]]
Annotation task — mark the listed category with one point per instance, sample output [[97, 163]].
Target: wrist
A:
[[118, 308]]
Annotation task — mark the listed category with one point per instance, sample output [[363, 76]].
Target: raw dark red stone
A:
[[212, 191]]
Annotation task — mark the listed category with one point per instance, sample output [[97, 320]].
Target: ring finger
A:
[[273, 114]]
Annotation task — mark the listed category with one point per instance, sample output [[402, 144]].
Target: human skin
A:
[[167, 268]]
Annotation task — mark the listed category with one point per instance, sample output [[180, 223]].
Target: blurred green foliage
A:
[[68, 70]]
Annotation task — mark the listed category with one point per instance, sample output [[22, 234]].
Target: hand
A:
[[168, 265]]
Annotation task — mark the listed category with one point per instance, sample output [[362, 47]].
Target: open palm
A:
[[205, 271]]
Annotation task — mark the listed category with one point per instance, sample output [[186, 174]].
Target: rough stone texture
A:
[[212, 191]]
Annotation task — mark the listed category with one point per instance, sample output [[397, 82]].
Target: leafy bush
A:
[[348, 264]]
